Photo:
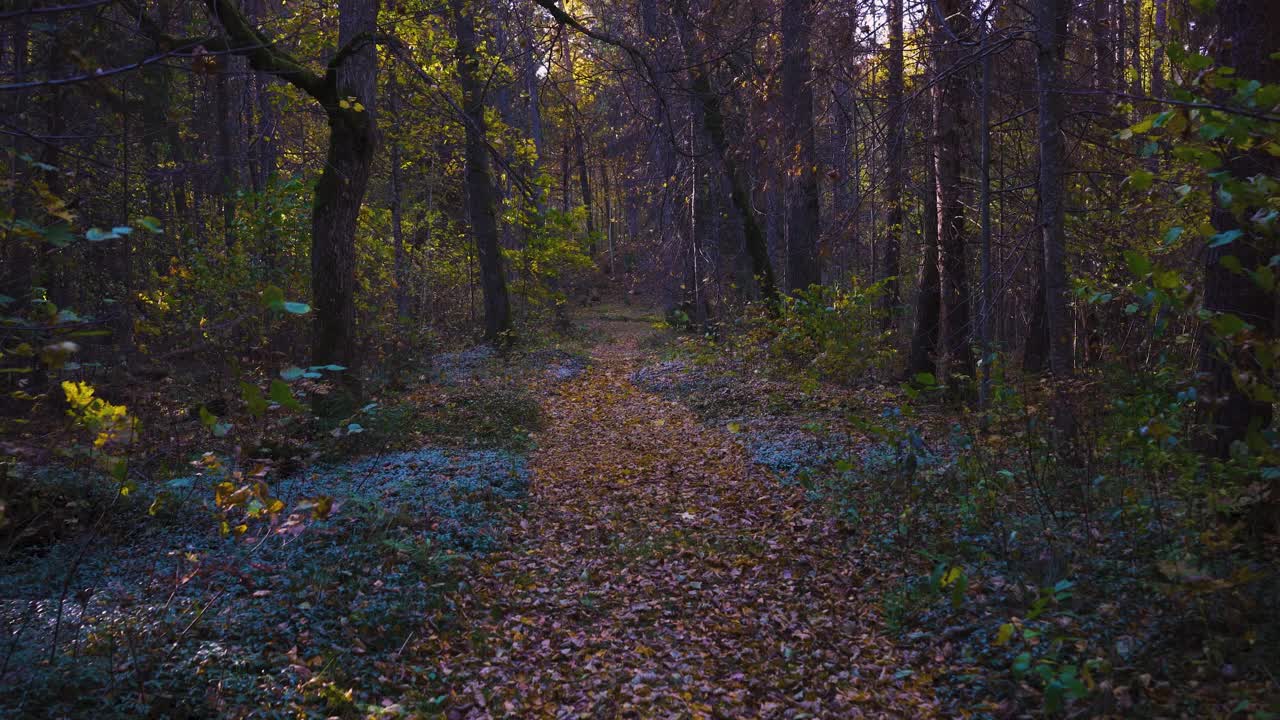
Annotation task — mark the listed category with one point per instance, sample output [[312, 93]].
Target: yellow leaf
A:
[[1004, 634]]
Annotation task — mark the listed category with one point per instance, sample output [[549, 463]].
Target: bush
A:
[[835, 334]]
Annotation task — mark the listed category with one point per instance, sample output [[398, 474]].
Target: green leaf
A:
[[207, 418], [121, 230], [280, 393], [292, 373], [1228, 324], [272, 297], [1139, 264], [1141, 179], [253, 399], [150, 224], [297, 308], [1172, 236], [1166, 279], [1264, 278], [1053, 695], [59, 235]]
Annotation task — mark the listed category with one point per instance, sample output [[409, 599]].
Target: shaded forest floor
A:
[[615, 527], [659, 572]]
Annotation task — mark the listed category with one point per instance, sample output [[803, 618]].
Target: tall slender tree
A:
[[951, 97], [479, 181], [895, 160], [1051, 27]]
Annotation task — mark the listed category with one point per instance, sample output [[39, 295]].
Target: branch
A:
[[10, 14], [638, 57], [521, 182], [95, 75], [346, 52], [244, 39]]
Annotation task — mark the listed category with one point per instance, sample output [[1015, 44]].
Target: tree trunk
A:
[[534, 106], [1103, 50], [1246, 38], [479, 183], [896, 157], [713, 122], [401, 267], [924, 340], [803, 264], [951, 96], [1051, 29], [1159, 36], [353, 139]]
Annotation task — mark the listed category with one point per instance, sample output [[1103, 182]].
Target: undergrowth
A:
[[1109, 570]]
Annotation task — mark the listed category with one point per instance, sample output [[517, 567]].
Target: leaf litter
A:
[[659, 572]]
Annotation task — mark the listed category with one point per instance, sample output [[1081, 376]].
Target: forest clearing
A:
[[639, 359]]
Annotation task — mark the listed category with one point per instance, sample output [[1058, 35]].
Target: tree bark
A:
[[1159, 35], [352, 143], [895, 159], [1103, 50], [951, 97], [803, 263], [479, 182], [1246, 41], [351, 74], [924, 340], [1051, 28]]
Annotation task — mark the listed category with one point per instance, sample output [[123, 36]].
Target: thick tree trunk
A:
[[951, 97], [340, 192], [1051, 28], [479, 183], [1246, 38], [803, 264]]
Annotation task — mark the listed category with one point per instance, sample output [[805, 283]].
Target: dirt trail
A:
[[656, 574]]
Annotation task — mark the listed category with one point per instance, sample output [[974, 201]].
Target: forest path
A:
[[656, 573]]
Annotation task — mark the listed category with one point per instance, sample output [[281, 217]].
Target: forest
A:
[[639, 359]]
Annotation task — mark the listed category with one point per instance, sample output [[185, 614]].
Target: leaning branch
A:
[[244, 39]]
